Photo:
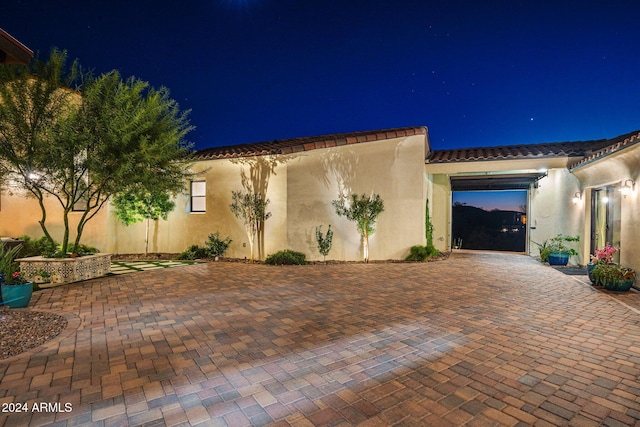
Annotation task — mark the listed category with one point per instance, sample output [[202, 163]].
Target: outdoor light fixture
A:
[[576, 198], [605, 199], [627, 187]]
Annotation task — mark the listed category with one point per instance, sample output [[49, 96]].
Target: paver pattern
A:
[[480, 339]]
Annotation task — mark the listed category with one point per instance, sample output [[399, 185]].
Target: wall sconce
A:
[[628, 187], [576, 198]]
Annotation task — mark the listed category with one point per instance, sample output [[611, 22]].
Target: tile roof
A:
[[615, 145], [12, 51], [576, 149], [296, 145]]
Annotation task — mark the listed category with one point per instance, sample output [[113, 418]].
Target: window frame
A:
[[201, 198]]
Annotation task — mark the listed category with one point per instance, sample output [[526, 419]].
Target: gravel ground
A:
[[22, 330]]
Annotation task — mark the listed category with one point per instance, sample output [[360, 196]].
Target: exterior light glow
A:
[[576, 198], [628, 187]]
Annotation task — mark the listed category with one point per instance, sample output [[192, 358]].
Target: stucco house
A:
[[586, 188]]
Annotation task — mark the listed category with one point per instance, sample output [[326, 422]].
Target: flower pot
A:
[[558, 258], [619, 285], [17, 296], [590, 267]]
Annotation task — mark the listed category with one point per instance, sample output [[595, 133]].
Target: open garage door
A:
[[489, 211]]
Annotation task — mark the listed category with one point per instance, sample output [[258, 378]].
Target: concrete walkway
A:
[[480, 339], [124, 267]]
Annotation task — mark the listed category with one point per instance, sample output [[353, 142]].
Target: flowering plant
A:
[[604, 255], [16, 279]]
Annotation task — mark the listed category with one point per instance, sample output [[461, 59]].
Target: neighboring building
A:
[[12, 51]]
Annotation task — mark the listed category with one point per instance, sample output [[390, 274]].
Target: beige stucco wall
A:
[[440, 208], [392, 168], [615, 169], [552, 211], [300, 188], [184, 228], [19, 215]]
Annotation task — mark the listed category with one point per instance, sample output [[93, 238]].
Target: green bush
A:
[[194, 252], [286, 257], [421, 253], [36, 247], [216, 245]]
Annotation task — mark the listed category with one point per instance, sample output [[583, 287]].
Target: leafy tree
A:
[[324, 241], [82, 146], [252, 209], [132, 207], [364, 211]]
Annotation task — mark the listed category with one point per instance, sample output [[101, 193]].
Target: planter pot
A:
[[17, 296], [66, 270], [590, 268], [619, 285], [558, 258]]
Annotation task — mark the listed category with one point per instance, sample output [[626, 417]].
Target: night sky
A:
[[474, 72]]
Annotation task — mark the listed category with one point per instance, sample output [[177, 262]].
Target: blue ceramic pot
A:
[[558, 258], [17, 296], [619, 285]]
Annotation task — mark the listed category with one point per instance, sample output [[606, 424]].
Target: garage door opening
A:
[[490, 220]]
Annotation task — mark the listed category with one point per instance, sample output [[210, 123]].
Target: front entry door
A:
[[605, 218]]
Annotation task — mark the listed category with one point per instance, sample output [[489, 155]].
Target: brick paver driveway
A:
[[479, 339]]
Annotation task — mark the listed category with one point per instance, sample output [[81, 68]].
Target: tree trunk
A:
[[366, 247], [146, 239]]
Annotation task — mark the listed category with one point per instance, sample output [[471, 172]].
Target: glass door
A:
[[605, 218]]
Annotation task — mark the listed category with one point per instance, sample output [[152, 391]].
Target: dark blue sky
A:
[[474, 72]]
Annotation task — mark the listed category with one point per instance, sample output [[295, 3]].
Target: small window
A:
[[198, 196]]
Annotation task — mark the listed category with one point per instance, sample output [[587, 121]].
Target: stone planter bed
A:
[[66, 270]]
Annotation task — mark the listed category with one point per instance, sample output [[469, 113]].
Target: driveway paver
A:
[[480, 339]]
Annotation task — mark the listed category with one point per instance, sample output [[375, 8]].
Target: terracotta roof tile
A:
[[615, 145], [578, 149], [295, 145]]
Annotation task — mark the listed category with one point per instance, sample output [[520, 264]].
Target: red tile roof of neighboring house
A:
[[296, 145], [12, 51], [577, 149]]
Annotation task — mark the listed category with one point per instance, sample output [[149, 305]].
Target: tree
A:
[[364, 211], [324, 241], [252, 209], [82, 146], [132, 207]]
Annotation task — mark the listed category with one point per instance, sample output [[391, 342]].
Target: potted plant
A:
[[600, 256], [613, 277], [559, 251], [15, 290]]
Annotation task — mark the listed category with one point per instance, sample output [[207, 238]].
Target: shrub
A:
[[35, 247], [286, 257], [217, 246], [421, 253], [194, 252], [417, 253]]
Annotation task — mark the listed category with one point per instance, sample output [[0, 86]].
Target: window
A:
[[198, 196]]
